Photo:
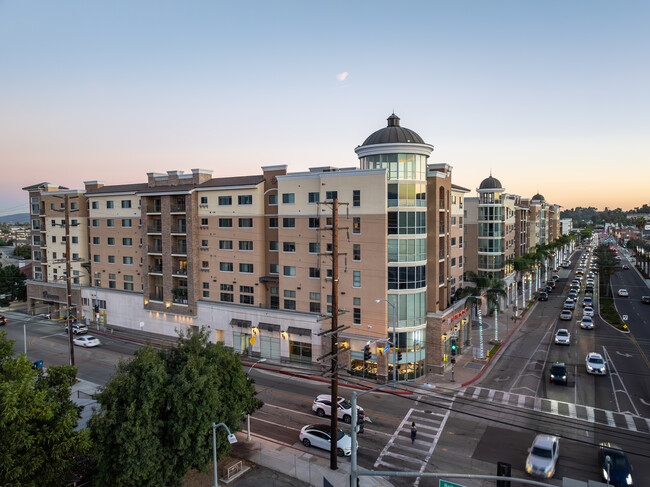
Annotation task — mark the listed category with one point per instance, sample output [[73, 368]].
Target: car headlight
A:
[[628, 479], [564, 377], [605, 475], [529, 466], [589, 367]]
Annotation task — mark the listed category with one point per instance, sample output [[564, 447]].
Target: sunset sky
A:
[[549, 96]]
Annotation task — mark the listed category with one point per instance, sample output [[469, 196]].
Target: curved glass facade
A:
[[399, 166], [407, 250], [411, 309]]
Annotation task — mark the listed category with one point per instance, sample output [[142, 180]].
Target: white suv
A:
[[323, 407], [77, 328]]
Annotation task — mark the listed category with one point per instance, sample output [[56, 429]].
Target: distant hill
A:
[[15, 218]]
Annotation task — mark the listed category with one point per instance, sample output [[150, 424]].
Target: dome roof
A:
[[490, 183], [539, 197], [393, 133]]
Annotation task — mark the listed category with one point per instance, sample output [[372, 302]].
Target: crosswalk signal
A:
[[454, 348], [399, 355], [366, 353], [361, 420]]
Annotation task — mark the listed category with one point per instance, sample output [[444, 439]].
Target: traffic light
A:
[[361, 420], [96, 308], [366, 353], [454, 348], [399, 355]]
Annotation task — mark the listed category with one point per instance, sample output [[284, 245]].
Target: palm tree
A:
[[522, 265], [474, 293], [606, 264], [495, 290]]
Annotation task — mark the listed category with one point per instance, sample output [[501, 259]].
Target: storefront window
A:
[[300, 352]]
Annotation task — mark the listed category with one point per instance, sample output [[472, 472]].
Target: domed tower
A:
[[404, 155], [491, 228]]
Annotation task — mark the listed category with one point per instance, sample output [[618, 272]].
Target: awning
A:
[[241, 323], [268, 326], [299, 331]]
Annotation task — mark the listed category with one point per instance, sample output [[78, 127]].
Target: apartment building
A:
[[250, 258]]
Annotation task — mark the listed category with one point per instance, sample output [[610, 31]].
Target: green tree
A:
[[155, 416], [37, 421], [24, 251], [606, 259], [12, 283]]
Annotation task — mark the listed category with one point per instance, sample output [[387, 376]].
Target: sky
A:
[[547, 96]]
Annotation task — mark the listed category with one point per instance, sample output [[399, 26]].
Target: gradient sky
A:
[[550, 96]]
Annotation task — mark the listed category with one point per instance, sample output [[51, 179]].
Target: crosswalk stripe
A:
[[610, 418], [630, 422]]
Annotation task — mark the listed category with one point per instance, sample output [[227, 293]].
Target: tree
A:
[[37, 421], [12, 283], [155, 416], [24, 251], [606, 259]]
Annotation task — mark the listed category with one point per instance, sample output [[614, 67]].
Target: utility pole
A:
[[335, 336], [68, 278]]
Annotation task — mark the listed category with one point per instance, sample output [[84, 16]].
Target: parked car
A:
[[588, 311], [543, 296], [556, 277], [542, 456], [563, 337], [547, 289], [615, 469], [551, 283], [3, 320], [87, 341], [595, 364], [623, 292], [645, 299], [77, 328], [322, 406], [320, 436], [559, 373], [587, 323]]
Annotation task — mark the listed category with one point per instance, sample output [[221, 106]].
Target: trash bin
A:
[[37, 364]]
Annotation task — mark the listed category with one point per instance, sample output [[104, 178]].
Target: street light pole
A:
[[394, 336], [248, 416], [231, 438]]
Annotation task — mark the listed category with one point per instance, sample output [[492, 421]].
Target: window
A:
[[289, 304], [127, 242], [204, 244], [460, 242], [356, 197], [460, 221], [274, 268], [95, 205], [225, 244], [330, 195], [246, 289], [95, 222], [227, 287], [225, 200], [314, 248], [314, 222], [246, 299], [356, 278], [453, 221], [227, 297], [289, 271], [110, 222], [225, 222], [127, 260], [453, 261], [314, 307], [273, 245], [246, 268], [289, 246], [111, 259], [206, 285], [126, 203], [96, 258], [460, 261], [96, 241], [273, 222], [246, 245], [205, 264], [288, 198], [126, 222], [128, 277], [273, 199], [75, 240], [357, 316], [245, 199], [206, 294], [453, 241], [225, 266], [53, 238], [314, 272], [356, 252], [204, 222], [356, 224], [314, 197], [289, 293], [204, 200], [407, 223], [289, 223], [245, 223], [314, 296], [128, 286]]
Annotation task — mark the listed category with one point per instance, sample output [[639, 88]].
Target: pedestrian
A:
[[414, 432]]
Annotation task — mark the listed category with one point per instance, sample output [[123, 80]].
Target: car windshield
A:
[[345, 405], [596, 360], [340, 434], [558, 370], [562, 333], [542, 452]]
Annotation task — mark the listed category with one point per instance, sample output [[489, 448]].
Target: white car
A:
[[319, 435], [566, 315], [587, 323], [623, 292], [563, 337], [588, 311], [87, 341], [595, 364], [322, 406], [569, 304], [542, 456]]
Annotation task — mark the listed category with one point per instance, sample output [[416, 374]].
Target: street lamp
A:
[[248, 416], [231, 438], [394, 336]]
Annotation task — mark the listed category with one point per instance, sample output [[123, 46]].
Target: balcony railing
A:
[[154, 208], [156, 297], [180, 271], [156, 249], [179, 229], [441, 228], [154, 229], [155, 269], [178, 208], [179, 249]]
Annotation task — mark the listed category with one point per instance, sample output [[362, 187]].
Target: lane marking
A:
[[610, 418]]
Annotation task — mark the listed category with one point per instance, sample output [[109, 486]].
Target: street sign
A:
[[624, 317], [386, 348], [252, 340], [446, 483]]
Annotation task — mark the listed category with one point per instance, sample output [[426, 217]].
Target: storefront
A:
[[241, 336], [300, 347], [270, 341]]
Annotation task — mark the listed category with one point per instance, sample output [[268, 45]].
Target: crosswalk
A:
[[400, 454], [623, 420]]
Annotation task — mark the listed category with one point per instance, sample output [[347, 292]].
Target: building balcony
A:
[[180, 272], [155, 269], [179, 250], [156, 297], [154, 209], [179, 230], [156, 229], [177, 208], [157, 249]]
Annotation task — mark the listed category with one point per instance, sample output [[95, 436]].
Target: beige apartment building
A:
[[250, 258]]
